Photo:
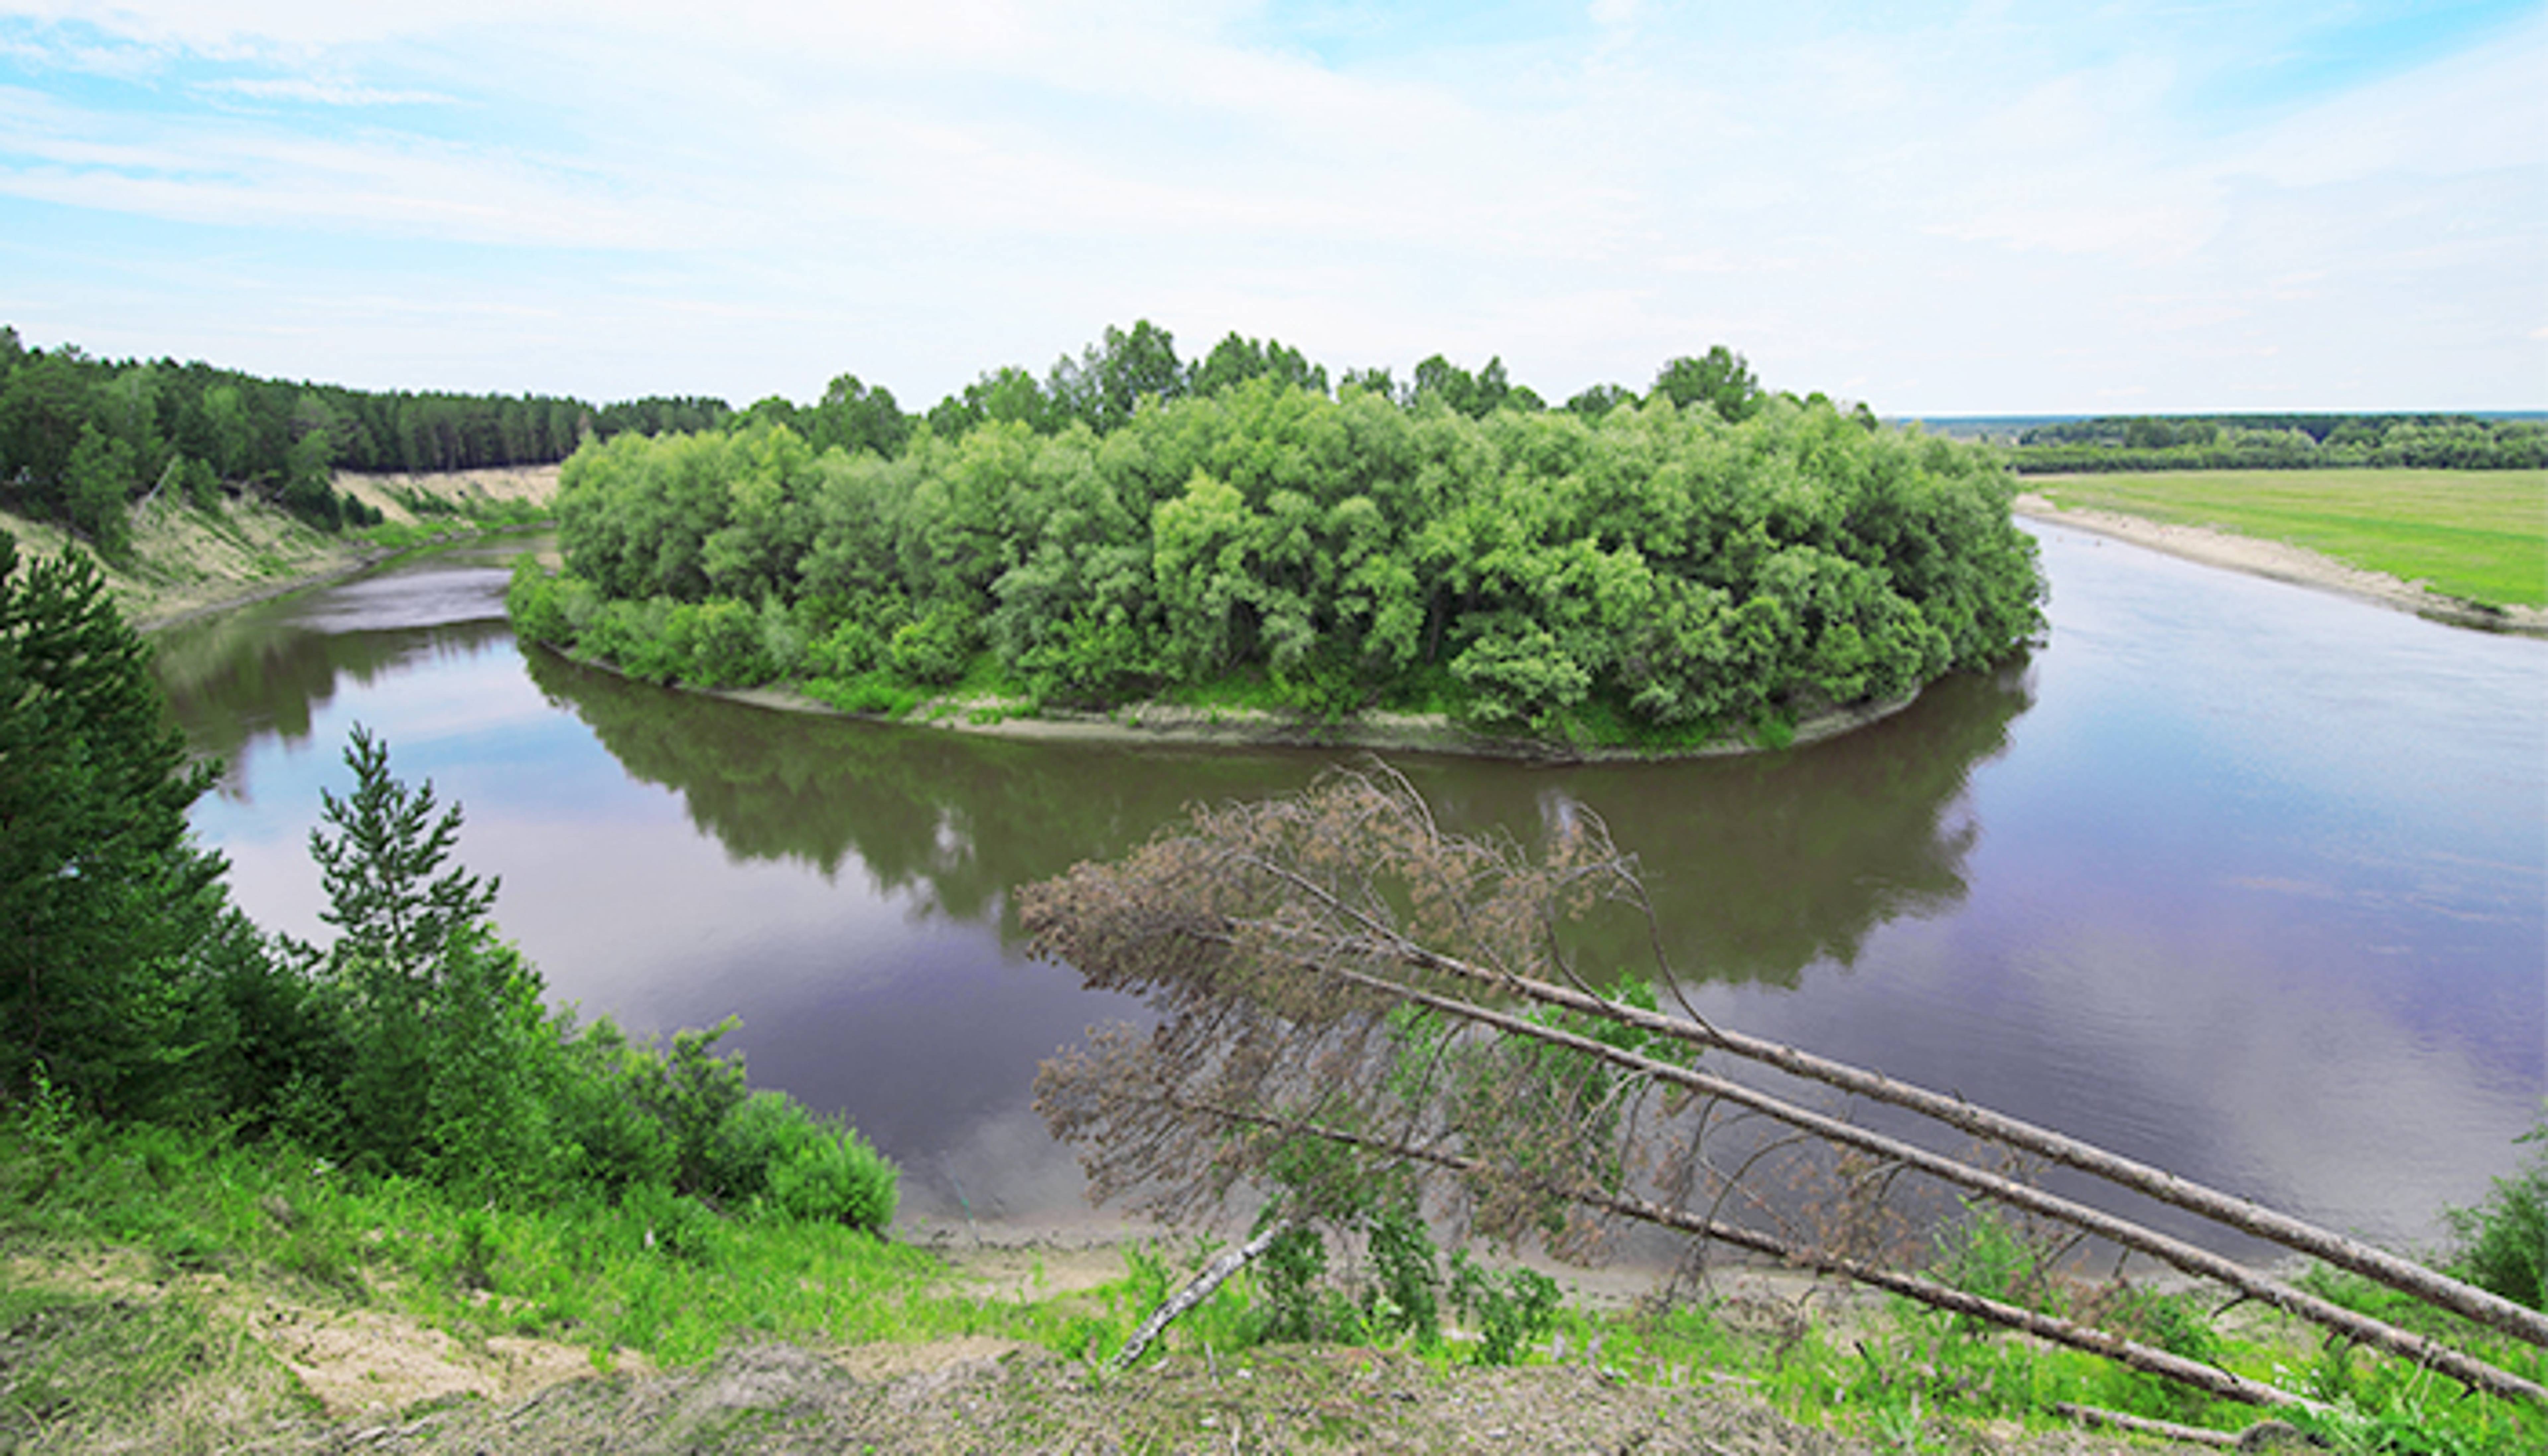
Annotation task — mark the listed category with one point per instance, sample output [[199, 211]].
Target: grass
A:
[[159, 1355], [2481, 536]]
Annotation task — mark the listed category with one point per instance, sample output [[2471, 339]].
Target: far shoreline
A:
[[2278, 561], [1155, 723]]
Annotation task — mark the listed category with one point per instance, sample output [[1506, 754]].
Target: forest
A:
[[81, 438], [2139, 442], [1658, 572]]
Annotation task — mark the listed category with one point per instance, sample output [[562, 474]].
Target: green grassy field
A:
[[2477, 534]]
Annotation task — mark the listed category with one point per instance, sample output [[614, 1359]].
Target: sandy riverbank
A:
[[2281, 562], [1165, 723], [186, 561]]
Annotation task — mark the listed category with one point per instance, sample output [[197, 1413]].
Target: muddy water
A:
[[2239, 877]]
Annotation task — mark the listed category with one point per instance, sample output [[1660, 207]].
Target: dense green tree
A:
[[1005, 396], [96, 485], [104, 900], [1599, 399], [1110, 380], [448, 1048], [1720, 378], [47, 404], [1236, 360], [1375, 381], [1653, 570], [853, 418]]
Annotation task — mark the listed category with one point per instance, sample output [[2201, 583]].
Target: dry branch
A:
[[2149, 1359], [2186, 1258], [2247, 1217], [1197, 1290], [1306, 955]]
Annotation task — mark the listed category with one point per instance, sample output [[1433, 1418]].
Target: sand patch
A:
[[2282, 562], [360, 1362], [389, 492]]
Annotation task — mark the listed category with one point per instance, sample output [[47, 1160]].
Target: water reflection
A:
[[1761, 866], [265, 667], [2231, 877]]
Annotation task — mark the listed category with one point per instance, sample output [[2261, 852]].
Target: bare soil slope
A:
[[186, 561]]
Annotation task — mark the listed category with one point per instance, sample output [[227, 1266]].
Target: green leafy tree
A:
[[1236, 360], [1599, 399], [1008, 395], [47, 404], [1108, 382], [1719, 378], [97, 484], [853, 418]]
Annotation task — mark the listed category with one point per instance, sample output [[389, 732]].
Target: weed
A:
[[2502, 1242]]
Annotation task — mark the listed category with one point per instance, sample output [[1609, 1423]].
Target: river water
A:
[[2238, 878]]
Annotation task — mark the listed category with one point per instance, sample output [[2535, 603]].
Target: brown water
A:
[[2241, 879]]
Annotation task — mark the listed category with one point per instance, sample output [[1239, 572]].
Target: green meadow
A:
[[2481, 536]]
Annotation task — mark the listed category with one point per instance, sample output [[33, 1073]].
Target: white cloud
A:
[[1000, 180], [323, 93]]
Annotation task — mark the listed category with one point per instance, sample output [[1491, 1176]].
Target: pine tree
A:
[[103, 899]]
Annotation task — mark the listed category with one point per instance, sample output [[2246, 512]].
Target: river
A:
[[2238, 878]]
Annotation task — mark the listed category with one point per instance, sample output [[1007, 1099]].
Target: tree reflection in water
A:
[[1759, 866]]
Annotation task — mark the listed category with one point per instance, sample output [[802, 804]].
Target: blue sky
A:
[[1991, 208]]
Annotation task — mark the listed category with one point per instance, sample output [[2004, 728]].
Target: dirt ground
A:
[[535, 483], [186, 561], [971, 1395], [375, 1381]]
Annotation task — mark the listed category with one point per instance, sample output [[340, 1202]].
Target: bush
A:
[[2504, 1241], [771, 1151], [936, 649], [830, 1174]]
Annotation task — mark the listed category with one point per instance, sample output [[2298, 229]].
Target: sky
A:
[[2000, 207]]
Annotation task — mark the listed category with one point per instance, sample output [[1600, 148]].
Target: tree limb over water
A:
[[1334, 961]]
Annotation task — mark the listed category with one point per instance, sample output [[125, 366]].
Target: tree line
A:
[[1659, 571], [83, 438], [2282, 443], [417, 1044]]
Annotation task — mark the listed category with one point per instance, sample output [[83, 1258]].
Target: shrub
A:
[[830, 1174], [935, 648], [2502, 1242]]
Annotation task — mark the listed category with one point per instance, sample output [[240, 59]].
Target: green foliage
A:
[[104, 900], [1984, 1253], [79, 436], [935, 648], [1290, 1272], [2126, 443], [1647, 575], [2502, 1242], [1720, 379], [449, 1062], [98, 480], [1513, 1312]]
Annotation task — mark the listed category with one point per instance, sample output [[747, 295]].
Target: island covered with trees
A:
[[1660, 570]]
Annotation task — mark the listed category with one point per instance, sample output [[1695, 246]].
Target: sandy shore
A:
[[186, 561], [1162, 723], [2281, 562]]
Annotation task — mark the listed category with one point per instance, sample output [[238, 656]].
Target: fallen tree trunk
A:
[[1197, 1290], [2210, 1378], [2176, 1252], [2300, 1237], [1269, 941]]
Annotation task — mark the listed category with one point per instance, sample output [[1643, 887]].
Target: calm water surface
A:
[[2234, 876]]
